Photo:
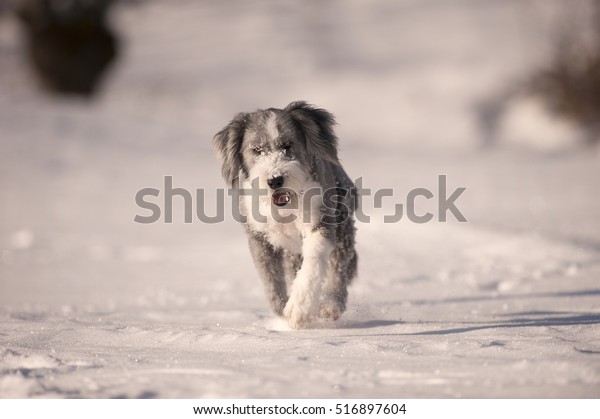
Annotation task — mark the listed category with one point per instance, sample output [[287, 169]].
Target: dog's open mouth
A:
[[281, 197]]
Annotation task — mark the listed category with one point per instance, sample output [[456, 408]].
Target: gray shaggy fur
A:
[[305, 266]]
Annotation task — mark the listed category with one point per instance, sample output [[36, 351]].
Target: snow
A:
[[93, 304]]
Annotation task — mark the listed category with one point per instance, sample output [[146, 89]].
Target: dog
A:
[[297, 204]]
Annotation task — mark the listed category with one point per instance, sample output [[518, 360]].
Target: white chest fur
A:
[[284, 227]]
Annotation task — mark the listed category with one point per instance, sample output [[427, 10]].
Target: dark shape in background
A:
[[570, 85], [69, 43]]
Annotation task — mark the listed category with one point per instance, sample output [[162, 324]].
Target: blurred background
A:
[[403, 64], [99, 99]]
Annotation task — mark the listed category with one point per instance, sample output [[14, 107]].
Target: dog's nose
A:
[[276, 182]]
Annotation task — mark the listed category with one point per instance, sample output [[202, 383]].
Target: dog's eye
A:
[[257, 150], [286, 148]]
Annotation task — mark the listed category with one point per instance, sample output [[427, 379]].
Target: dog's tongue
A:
[[281, 198]]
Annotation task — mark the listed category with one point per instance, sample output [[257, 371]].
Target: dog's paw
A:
[[297, 315], [329, 311]]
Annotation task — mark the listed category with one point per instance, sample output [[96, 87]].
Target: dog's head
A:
[[279, 147]]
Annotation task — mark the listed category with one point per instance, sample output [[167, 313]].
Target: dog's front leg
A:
[[306, 289], [269, 263]]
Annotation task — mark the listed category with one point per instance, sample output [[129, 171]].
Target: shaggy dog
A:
[[297, 204]]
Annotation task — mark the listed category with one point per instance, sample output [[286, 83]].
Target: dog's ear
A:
[[228, 144], [317, 126]]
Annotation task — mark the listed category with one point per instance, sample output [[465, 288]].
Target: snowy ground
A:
[[95, 305]]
